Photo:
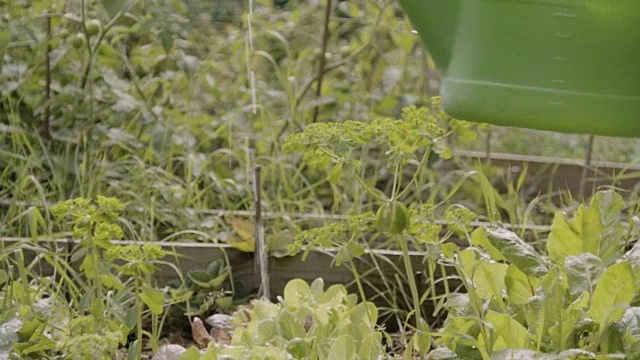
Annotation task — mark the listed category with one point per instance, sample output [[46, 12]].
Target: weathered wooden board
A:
[[549, 174]]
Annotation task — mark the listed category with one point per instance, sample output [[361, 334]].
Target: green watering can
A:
[[560, 65]]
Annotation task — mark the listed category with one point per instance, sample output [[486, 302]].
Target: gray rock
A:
[[220, 321]]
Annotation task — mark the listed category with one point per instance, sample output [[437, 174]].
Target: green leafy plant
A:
[[91, 312], [308, 322], [406, 143], [573, 299], [203, 291]]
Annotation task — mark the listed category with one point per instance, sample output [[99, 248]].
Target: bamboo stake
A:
[[261, 258]]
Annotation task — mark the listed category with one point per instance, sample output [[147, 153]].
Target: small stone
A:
[[220, 321], [221, 327]]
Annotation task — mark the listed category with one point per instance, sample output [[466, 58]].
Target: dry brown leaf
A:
[[199, 332]]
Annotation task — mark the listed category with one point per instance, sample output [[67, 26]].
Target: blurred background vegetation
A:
[[168, 105]]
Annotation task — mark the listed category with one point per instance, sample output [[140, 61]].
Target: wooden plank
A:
[[550, 174]]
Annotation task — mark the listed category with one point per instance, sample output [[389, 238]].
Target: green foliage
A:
[[333, 144], [594, 230], [203, 291], [575, 300], [309, 322], [405, 143], [90, 313]]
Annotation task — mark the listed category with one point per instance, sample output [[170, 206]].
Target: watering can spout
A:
[[436, 23]]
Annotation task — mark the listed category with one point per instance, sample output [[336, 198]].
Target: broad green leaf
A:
[[612, 342], [335, 174], [296, 293], [224, 303], [562, 332], [574, 237], [29, 327], [630, 327], [42, 344], [422, 337], [518, 252], [3, 277], [263, 310], [543, 310], [192, 353], [582, 302], [520, 288], [356, 332], [334, 294], [479, 238], [132, 352], [630, 321], [348, 251], [633, 257], [364, 310], [370, 348], [89, 267], [460, 331], [507, 332], [246, 235], [317, 287], [408, 351], [489, 279], [153, 298], [343, 347], [290, 327], [79, 253], [448, 250], [278, 243], [610, 204], [267, 330], [594, 229], [583, 272], [205, 280], [215, 268], [131, 317], [487, 275], [211, 352], [612, 295], [298, 348], [110, 281]]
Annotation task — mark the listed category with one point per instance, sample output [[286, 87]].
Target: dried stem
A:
[[325, 40], [45, 128], [261, 265], [587, 165]]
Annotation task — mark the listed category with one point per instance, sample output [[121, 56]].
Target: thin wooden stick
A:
[[325, 40], [45, 128], [261, 258], [587, 165]]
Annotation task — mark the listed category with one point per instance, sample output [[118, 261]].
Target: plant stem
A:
[[139, 320], [45, 127], [95, 258], [356, 276], [411, 279]]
